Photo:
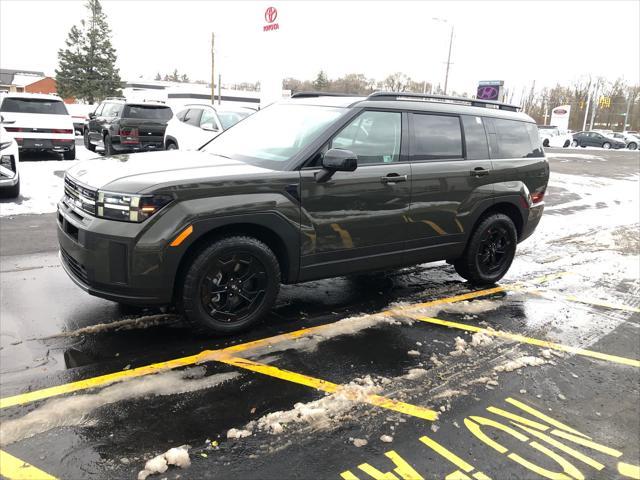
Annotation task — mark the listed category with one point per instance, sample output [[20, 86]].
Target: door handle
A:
[[479, 172], [394, 178]]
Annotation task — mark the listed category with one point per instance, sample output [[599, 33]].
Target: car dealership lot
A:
[[429, 373]]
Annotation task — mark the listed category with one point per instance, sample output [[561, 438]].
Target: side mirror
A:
[[92, 115], [209, 127], [336, 160]]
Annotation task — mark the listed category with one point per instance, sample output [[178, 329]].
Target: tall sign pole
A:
[[273, 51], [213, 77], [446, 76]]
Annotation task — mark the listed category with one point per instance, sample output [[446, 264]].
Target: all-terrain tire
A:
[[198, 273], [469, 265]]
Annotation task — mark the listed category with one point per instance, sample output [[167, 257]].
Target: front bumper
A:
[[6, 182], [105, 258], [532, 221]]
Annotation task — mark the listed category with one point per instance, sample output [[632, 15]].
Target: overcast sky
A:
[[514, 41]]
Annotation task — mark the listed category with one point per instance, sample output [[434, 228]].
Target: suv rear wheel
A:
[[87, 144], [490, 250], [230, 285], [70, 154]]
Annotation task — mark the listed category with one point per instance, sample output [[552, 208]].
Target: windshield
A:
[[33, 105], [273, 136], [148, 112], [228, 119]]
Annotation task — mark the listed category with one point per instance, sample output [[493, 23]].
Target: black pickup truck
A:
[[121, 126]]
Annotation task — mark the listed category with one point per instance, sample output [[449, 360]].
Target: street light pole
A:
[[446, 76], [213, 77]]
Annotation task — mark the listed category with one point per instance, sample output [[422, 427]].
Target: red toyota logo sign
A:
[[270, 14]]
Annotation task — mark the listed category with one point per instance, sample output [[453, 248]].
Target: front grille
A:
[[76, 267], [80, 196]]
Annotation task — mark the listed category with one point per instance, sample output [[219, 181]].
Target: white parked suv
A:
[[40, 123], [196, 124], [553, 137], [9, 160]]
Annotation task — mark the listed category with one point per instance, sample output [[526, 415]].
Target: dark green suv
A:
[[313, 187]]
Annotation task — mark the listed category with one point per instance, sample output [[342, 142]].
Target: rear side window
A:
[[111, 110], [514, 140], [435, 137], [475, 138], [193, 117], [33, 105], [147, 112], [536, 143]]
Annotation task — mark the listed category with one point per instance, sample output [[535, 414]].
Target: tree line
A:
[[607, 100]]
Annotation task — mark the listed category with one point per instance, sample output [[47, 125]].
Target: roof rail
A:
[[474, 102], [323, 94], [115, 98]]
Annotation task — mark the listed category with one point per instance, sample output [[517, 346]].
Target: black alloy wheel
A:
[[233, 286], [230, 285], [489, 251]]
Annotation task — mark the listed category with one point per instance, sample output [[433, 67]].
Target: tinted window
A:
[[33, 105], [475, 138], [98, 111], [149, 112], [435, 136], [111, 110], [180, 115], [373, 136], [208, 120], [513, 139], [193, 117], [534, 137]]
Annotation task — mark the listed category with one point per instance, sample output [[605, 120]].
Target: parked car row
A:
[[602, 140], [552, 136]]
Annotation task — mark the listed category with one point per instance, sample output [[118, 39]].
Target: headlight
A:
[[4, 145], [127, 207]]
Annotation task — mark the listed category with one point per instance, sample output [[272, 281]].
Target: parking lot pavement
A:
[[401, 376]]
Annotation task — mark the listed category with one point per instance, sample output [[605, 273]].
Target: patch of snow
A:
[[174, 456], [461, 346], [413, 353], [359, 442], [526, 361], [238, 433], [76, 410], [386, 438], [415, 373]]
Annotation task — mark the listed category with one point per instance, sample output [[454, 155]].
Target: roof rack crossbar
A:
[[475, 102], [322, 94]]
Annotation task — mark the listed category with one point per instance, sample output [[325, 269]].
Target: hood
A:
[[143, 170]]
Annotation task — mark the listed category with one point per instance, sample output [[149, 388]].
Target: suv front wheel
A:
[[490, 250], [230, 285]]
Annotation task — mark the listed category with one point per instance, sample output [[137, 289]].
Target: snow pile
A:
[[526, 361], [75, 410], [413, 353], [415, 373], [236, 433], [126, 324], [359, 442], [386, 438], [461, 347], [318, 414], [346, 326], [160, 464], [473, 307], [481, 339]]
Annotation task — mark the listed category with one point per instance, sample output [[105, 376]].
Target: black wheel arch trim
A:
[[170, 138], [281, 236]]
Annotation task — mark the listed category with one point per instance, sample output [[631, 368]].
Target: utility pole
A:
[[594, 107], [213, 88], [586, 111], [626, 115], [446, 76], [219, 89]]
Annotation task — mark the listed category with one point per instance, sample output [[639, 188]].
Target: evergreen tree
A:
[[158, 77], [87, 66], [184, 78], [174, 77], [321, 82]]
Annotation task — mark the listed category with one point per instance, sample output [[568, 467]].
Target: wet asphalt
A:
[[52, 334]]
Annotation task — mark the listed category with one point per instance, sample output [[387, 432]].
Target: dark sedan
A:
[[596, 139]]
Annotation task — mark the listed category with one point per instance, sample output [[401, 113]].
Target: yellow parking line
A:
[[586, 301], [13, 468], [102, 380], [532, 341], [325, 386]]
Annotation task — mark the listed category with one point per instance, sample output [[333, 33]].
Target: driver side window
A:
[[373, 136], [208, 120]]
